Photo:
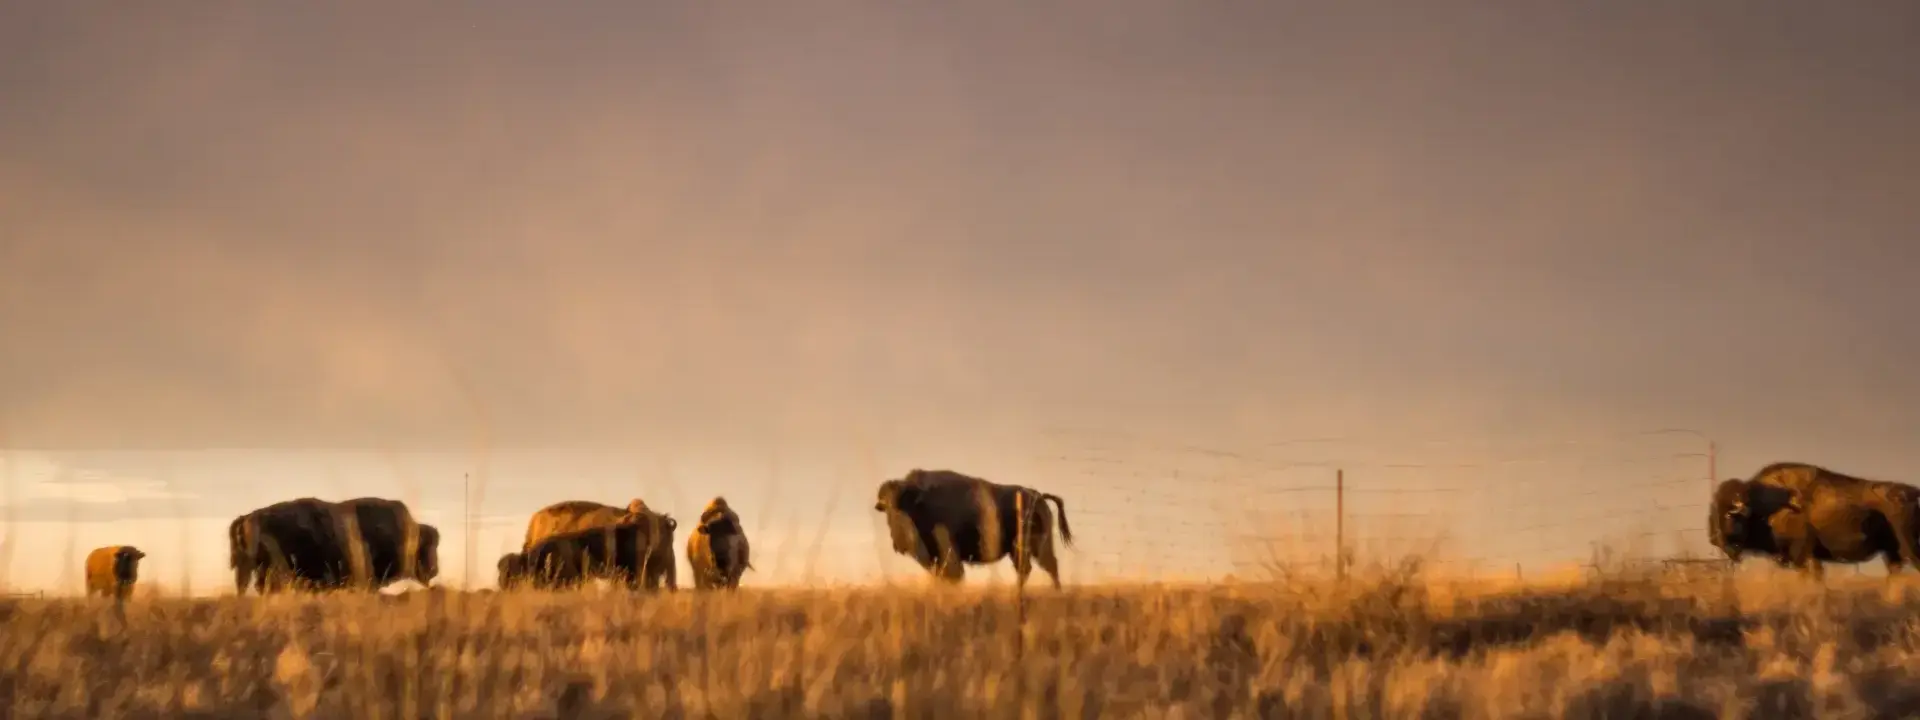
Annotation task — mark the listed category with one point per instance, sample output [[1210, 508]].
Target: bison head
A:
[[126, 563], [896, 495], [1730, 515], [897, 500], [637, 512], [427, 556], [718, 518]]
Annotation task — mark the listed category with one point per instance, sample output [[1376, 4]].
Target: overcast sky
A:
[[941, 229]]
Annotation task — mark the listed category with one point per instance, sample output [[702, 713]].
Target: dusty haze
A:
[[932, 233]]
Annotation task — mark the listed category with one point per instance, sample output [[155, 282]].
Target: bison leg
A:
[[948, 567], [1902, 517], [1043, 551], [1802, 553], [1022, 537], [953, 571], [1815, 569], [736, 562]]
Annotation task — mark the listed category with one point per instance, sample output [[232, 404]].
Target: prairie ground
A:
[[1770, 645]]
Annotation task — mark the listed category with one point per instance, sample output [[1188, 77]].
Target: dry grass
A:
[[1387, 646]]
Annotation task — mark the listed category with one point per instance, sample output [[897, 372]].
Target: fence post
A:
[[1340, 524], [1713, 461], [466, 528]]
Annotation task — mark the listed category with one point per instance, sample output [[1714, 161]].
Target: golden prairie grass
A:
[[1391, 645]]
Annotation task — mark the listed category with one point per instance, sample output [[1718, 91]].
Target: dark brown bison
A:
[[944, 520], [572, 515], [717, 549], [363, 543], [1804, 515], [113, 570], [619, 552]]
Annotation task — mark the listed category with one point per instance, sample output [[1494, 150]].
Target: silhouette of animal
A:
[[361, 544], [619, 552], [113, 570], [945, 519], [717, 549], [1804, 515], [572, 515]]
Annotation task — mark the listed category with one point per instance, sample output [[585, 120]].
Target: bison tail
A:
[[1066, 531]]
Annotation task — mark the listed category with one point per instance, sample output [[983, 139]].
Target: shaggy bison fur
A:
[[717, 548], [945, 520], [1804, 515]]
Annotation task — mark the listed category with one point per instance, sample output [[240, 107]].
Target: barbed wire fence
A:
[[1193, 513], [1142, 509]]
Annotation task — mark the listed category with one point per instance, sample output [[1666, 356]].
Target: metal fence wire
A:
[[1141, 509]]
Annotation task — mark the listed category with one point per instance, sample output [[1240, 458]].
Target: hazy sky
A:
[[942, 228]]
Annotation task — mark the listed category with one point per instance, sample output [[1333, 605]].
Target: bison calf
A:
[[717, 548], [113, 570]]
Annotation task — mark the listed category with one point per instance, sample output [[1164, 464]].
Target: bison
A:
[[572, 515], [717, 549], [620, 552], [944, 520], [1804, 514], [113, 570], [363, 543]]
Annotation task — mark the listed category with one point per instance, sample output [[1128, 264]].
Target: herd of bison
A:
[[1800, 515], [943, 519]]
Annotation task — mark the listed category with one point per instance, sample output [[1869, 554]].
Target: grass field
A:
[[1765, 645]]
